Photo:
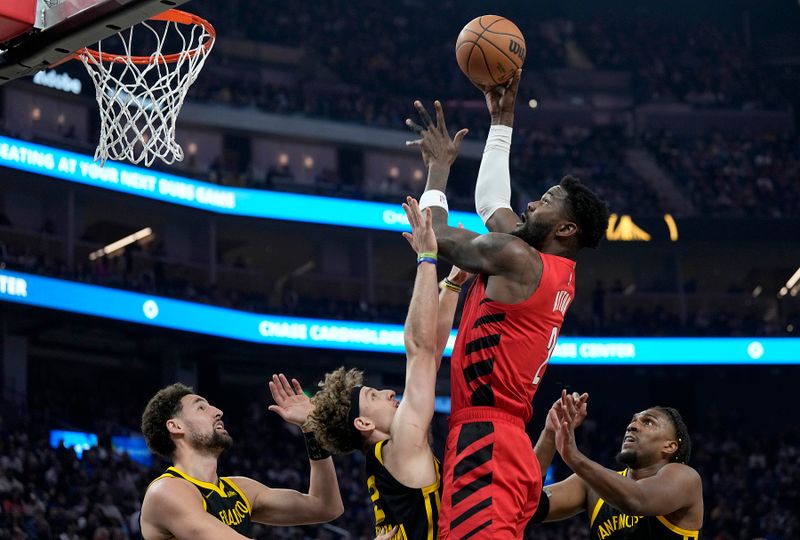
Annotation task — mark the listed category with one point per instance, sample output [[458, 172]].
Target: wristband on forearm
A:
[[447, 284], [433, 197], [427, 257], [315, 450]]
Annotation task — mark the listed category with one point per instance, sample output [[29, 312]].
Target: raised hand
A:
[[579, 402], [563, 415], [500, 100], [435, 145], [291, 403], [421, 237]]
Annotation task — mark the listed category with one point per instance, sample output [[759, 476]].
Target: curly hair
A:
[[684, 451], [331, 408], [588, 210], [164, 405]]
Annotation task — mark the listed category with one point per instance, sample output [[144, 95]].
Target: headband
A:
[[352, 414]]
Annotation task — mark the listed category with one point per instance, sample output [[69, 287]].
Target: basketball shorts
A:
[[492, 480]]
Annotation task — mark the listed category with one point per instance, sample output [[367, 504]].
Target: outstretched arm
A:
[[491, 253], [323, 502], [545, 448], [566, 498], [412, 421], [493, 187]]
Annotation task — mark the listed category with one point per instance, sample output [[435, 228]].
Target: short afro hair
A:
[[588, 210], [684, 451], [164, 405], [332, 408]]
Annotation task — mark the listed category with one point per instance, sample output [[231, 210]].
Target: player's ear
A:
[[174, 426], [364, 424], [670, 447], [566, 228]]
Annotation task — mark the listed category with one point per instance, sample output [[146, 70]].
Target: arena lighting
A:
[[121, 243], [83, 299], [623, 228], [793, 280]]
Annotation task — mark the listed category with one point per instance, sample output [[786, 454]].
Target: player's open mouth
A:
[[629, 439], [220, 425]]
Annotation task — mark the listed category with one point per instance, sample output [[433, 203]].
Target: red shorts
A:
[[492, 479]]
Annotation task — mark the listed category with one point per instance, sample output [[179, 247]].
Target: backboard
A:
[[61, 27]]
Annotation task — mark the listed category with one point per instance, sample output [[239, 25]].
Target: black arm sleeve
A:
[[543, 509]]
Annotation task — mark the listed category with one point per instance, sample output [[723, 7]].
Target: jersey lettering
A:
[[235, 515], [563, 299]]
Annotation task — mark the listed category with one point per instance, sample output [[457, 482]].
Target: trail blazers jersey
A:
[[225, 501], [502, 350], [415, 511], [609, 523]]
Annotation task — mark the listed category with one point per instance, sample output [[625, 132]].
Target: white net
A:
[[140, 97]]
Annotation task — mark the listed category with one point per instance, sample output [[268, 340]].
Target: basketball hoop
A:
[[140, 96]]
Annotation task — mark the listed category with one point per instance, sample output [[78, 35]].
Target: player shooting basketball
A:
[[510, 323]]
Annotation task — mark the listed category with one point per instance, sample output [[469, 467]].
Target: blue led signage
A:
[[74, 167], [139, 308]]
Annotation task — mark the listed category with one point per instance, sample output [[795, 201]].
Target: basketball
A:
[[490, 49]]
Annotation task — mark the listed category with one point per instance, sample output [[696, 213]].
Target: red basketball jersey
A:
[[502, 350]]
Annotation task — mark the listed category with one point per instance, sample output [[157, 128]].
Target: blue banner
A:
[[139, 308], [80, 168]]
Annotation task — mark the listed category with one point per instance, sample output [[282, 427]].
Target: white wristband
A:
[[433, 197]]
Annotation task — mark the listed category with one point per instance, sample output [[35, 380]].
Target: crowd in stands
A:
[[734, 174], [750, 488], [701, 64], [539, 159], [369, 62]]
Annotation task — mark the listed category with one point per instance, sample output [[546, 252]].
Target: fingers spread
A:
[[413, 126], [460, 136], [423, 113], [440, 116], [285, 384], [278, 389]]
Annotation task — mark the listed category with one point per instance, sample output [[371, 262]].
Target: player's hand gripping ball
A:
[[489, 50]]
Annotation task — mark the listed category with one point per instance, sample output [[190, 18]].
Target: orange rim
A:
[[172, 15]]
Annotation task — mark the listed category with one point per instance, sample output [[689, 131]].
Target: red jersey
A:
[[502, 350]]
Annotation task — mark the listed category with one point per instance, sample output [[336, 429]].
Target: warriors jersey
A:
[[502, 350], [415, 511], [225, 501], [608, 522]]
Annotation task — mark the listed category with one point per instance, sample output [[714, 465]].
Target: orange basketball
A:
[[490, 49]]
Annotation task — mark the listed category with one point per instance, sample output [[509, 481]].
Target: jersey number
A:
[[551, 346], [380, 515]]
